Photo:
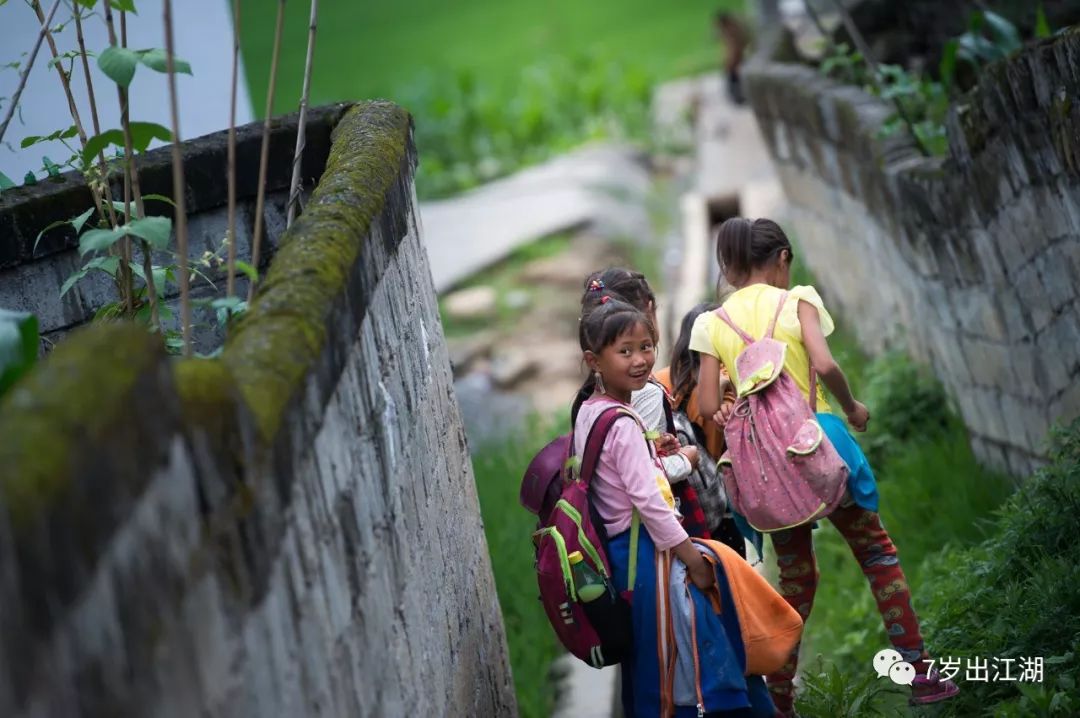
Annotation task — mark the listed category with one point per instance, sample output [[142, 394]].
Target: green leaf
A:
[[1042, 26], [1005, 33], [947, 67], [18, 346], [109, 311], [109, 265], [248, 270], [143, 133], [96, 144], [81, 220], [5, 182], [122, 5], [155, 230], [119, 64], [30, 178], [158, 198], [100, 239], [65, 134], [156, 59], [51, 167]]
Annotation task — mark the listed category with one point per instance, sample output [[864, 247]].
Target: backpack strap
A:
[[722, 313], [776, 317], [594, 442]]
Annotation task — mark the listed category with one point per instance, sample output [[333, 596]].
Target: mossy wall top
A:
[[291, 529], [969, 260]]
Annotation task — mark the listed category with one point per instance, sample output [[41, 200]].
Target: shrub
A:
[[907, 404], [1014, 595]]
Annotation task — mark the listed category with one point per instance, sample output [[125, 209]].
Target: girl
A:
[[755, 258], [618, 343], [680, 380], [651, 402]]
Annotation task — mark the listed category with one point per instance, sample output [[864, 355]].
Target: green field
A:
[[377, 49]]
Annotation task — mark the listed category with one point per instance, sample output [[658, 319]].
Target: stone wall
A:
[[970, 260], [290, 529]]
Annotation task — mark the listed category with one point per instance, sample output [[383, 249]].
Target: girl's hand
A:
[[701, 573], [858, 416], [691, 454], [666, 444], [721, 417]]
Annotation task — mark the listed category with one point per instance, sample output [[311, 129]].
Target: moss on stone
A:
[[280, 337], [206, 390], [70, 400], [84, 387]]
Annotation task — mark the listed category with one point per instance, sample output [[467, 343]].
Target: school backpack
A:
[[780, 469], [704, 479], [599, 631]]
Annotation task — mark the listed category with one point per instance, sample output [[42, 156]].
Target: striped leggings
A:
[[876, 554]]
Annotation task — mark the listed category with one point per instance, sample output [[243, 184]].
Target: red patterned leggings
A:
[[876, 554]]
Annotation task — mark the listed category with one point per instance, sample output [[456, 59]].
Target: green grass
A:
[[508, 527], [377, 49]]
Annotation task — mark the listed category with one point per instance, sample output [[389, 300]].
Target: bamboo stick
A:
[[301, 138], [264, 156]]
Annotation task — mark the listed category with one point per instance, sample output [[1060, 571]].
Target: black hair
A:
[[601, 326], [620, 283], [685, 363], [743, 245]]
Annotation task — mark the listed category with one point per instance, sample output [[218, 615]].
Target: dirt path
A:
[[526, 358]]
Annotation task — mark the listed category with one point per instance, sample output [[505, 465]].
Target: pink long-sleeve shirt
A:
[[626, 478]]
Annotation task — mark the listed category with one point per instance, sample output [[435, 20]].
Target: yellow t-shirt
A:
[[752, 308]]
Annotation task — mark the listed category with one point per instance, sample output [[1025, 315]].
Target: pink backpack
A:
[[598, 632], [780, 470]]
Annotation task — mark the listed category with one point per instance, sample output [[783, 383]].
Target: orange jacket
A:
[[714, 435]]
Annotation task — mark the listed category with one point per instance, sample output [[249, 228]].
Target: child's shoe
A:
[[931, 688]]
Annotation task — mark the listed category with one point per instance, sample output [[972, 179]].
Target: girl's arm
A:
[[832, 376], [711, 401], [700, 572]]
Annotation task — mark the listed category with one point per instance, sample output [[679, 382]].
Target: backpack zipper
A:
[[564, 562], [575, 516]]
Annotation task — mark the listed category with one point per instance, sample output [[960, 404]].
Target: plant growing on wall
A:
[[925, 101], [18, 346], [113, 228]]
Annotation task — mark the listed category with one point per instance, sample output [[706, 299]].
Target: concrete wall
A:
[[970, 261], [291, 529]]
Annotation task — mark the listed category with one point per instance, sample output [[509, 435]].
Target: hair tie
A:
[[596, 285], [605, 299]]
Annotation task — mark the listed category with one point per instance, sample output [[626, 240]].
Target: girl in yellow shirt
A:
[[755, 258]]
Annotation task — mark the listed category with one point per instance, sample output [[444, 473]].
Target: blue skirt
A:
[[722, 656]]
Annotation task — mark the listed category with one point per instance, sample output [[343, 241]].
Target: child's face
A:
[[627, 363]]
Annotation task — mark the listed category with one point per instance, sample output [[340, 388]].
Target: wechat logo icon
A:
[[890, 663]]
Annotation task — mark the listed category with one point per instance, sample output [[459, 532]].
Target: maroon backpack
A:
[[598, 632]]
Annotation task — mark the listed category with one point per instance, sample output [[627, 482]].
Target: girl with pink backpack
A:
[[633, 499], [772, 341]]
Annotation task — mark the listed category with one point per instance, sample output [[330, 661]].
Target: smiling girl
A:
[[631, 494]]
